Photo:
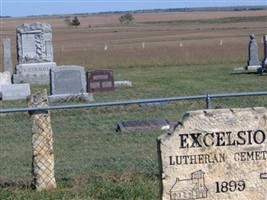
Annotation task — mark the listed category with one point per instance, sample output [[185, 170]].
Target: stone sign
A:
[[7, 61], [67, 81], [214, 155], [100, 80], [35, 53]]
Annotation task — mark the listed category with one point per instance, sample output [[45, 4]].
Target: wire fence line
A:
[[208, 98], [85, 139]]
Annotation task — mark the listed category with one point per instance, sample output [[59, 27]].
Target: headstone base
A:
[[38, 73], [62, 98], [247, 69], [162, 124], [252, 67]]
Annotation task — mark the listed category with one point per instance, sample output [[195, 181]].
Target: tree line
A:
[[126, 18]]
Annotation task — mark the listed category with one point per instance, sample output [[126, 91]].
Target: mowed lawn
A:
[[164, 55]]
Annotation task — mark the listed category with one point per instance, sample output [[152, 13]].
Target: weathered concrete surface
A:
[[42, 142]]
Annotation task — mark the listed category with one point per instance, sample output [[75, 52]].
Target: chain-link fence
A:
[[88, 149]]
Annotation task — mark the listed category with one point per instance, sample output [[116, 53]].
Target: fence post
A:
[[42, 143], [208, 102]]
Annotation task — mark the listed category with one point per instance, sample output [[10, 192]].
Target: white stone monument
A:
[[35, 53]]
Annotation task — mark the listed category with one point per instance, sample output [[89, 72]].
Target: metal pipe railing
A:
[[207, 97]]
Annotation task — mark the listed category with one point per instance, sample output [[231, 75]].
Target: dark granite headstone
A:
[[100, 81]]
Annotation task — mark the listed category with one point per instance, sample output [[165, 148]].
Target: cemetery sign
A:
[[215, 154]]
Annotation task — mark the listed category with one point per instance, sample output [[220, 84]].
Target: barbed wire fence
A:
[[43, 145]]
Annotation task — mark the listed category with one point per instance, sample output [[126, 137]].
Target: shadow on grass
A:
[[16, 185]]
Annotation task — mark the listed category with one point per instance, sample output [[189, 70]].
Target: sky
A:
[[17, 8]]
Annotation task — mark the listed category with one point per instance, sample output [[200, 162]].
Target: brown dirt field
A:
[[164, 43], [140, 17]]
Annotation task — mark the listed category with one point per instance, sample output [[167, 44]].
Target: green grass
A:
[[92, 160], [172, 81]]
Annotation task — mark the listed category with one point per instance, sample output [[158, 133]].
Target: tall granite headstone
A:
[[34, 53], [253, 57], [7, 61], [214, 155]]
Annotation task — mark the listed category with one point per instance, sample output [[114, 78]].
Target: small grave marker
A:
[[215, 154], [15, 91], [123, 84], [146, 124], [100, 81]]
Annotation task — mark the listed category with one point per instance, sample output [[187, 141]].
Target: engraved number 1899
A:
[[230, 186]]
